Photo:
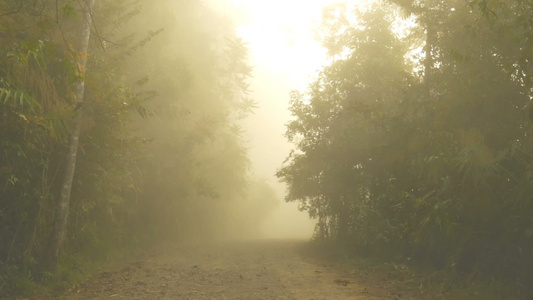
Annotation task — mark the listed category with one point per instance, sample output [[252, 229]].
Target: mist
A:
[[172, 126], [207, 142], [285, 56], [215, 150]]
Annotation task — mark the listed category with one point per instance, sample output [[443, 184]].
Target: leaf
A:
[[23, 117], [68, 11]]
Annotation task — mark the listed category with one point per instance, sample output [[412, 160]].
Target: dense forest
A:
[[415, 141], [119, 126]]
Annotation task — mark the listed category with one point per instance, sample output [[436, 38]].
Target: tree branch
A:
[[14, 11]]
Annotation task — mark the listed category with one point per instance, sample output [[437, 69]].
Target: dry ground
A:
[[274, 269]]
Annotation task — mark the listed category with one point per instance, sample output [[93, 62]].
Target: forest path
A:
[[274, 269]]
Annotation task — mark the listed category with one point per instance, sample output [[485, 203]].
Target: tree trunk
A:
[[428, 62], [60, 226]]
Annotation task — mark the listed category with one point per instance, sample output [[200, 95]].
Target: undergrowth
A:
[[73, 268], [413, 280]]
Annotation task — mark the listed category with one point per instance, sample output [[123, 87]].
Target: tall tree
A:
[[60, 227]]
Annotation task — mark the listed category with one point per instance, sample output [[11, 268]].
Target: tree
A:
[[60, 227], [177, 165], [195, 171], [343, 124], [439, 179]]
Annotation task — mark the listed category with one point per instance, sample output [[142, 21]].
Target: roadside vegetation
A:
[[415, 142], [120, 128], [159, 154]]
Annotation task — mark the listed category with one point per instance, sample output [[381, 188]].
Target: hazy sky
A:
[[285, 56]]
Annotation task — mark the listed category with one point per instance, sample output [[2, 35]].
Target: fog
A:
[[171, 144], [132, 123], [194, 151], [285, 56], [267, 150]]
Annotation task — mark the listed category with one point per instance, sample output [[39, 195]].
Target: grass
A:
[[72, 269]]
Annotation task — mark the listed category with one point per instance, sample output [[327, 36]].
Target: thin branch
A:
[[72, 52], [57, 12], [100, 40], [96, 31], [43, 7], [109, 41], [14, 11]]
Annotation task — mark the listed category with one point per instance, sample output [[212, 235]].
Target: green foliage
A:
[[32, 128], [160, 152], [37, 72], [436, 168], [14, 281], [68, 10]]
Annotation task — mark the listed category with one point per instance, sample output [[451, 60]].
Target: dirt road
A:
[[228, 270]]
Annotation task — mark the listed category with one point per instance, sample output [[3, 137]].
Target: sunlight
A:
[[285, 54], [280, 35]]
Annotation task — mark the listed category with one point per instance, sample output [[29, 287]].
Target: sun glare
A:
[[285, 55], [280, 35]]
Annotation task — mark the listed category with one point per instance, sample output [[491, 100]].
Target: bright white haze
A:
[[285, 57]]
